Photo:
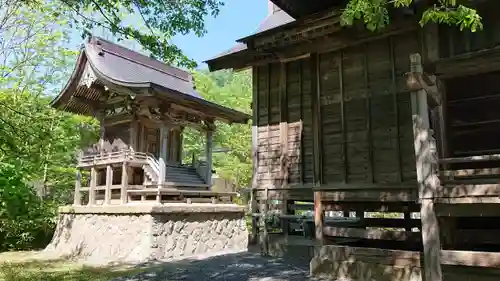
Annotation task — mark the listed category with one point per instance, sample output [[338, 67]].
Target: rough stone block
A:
[[143, 234]]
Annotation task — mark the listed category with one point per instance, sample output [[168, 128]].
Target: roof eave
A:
[[225, 113], [229, 61]]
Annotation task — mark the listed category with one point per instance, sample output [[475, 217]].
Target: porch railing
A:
[[103, 158]]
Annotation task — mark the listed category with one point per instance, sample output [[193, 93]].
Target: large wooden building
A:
[[398, 121]]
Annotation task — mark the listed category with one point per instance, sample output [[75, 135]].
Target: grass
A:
[[19, 266]]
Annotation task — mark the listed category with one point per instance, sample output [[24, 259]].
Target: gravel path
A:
[[230, 267]]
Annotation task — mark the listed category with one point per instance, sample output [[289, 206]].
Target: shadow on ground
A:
[[248, 266]]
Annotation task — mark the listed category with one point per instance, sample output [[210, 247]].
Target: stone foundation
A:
[[139, 233]]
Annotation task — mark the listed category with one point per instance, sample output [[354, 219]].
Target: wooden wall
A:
[[353, 101]]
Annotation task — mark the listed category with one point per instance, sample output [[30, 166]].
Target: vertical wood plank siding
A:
[[362, 116]]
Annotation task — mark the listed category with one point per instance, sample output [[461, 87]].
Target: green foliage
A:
[[37, 143], [233, 90], [154, 24], [375, 14], [33, 55], [25, 221], [37, 156]]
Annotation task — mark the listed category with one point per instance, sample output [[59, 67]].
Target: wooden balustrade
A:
[[130, 191]]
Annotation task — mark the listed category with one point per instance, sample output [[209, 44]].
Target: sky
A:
[[237, 19]]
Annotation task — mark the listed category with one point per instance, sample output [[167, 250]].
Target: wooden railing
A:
[[104, 158], [470, 178]]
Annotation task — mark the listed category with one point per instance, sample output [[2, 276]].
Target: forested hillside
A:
[[38, 145]]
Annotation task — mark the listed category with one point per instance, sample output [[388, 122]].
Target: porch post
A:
[[428, 182], [78, 185], [133, 134], [93, 183], [102, 131], [124, 195], [109, 182], [164, 134], [208, 150]]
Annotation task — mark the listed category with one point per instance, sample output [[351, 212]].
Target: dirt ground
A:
[[246, 266]]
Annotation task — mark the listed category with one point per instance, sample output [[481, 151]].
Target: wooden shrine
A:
[[377, 149], [143, 106]]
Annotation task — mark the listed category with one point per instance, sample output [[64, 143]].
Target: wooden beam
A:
[[468, 210], [368, 108], [283, 125], [399, 159], [466, 190], [394, 258], [269, 114], [255, 125], [343, 117], [361, 186], [470, 159], [322, 44], [470, 258], [255, 150], [316, 119], [426, 177], [371, 206], [468, 64], [375, 234], [302, 115]]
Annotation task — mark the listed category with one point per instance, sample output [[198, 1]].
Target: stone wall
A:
[[106, 236]]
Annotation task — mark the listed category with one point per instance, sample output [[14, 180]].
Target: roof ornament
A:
[[88, 77]]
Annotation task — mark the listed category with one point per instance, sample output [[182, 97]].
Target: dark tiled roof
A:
[[120, 66], [129, 68]]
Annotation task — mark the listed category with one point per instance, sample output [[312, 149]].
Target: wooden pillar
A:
[[78, 185], [360, 213], [408, 219], [102, 132], [428, 182], [93, 183], [319, 217], [265, 238], [164, 135], [255, 154], [109, 182], [253, 211], [134, 128], [208, 150], [123, 193]]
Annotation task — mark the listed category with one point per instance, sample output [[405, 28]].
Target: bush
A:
[[26, 221]]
